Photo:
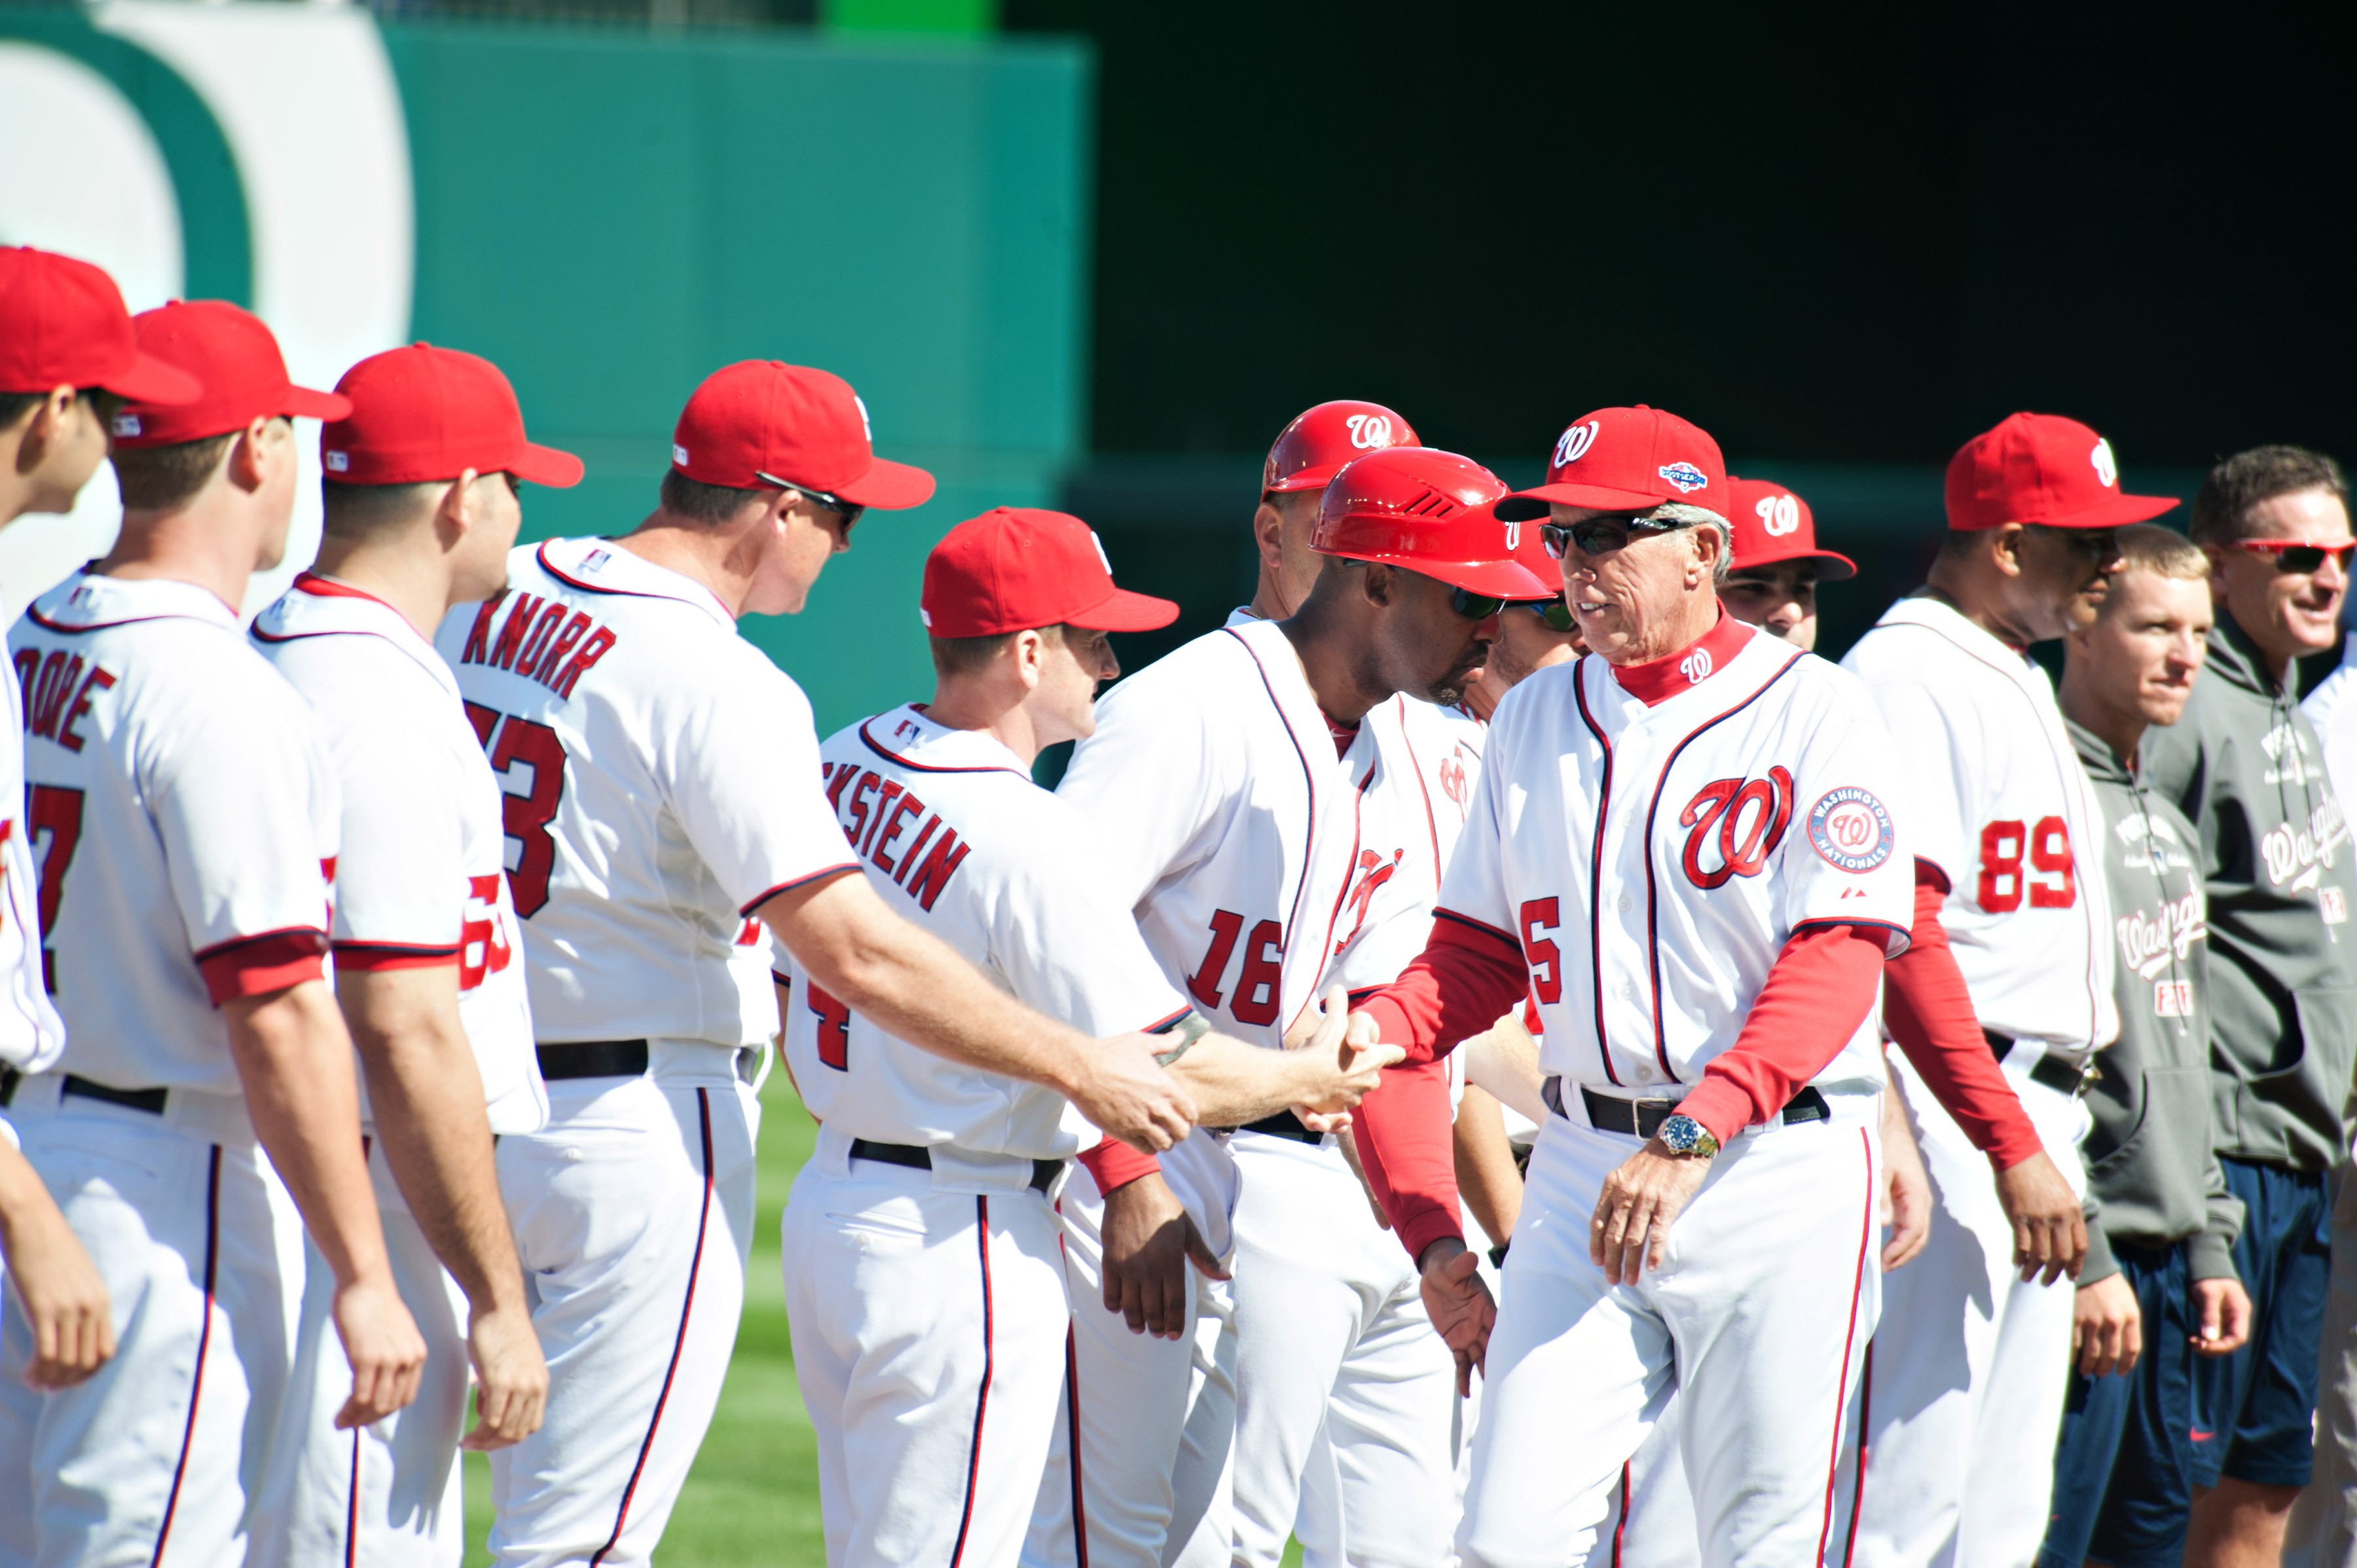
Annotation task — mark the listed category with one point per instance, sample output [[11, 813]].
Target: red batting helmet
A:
[[1311, 450], [1772, 524], [1431, 512]]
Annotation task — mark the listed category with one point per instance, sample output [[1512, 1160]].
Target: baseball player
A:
[[66, 342], [421, 511], [1306, 455], [1967, 1388], [1713, 1061], [185, 819], [1772, 582], [2158, 1289], [922, 1267], [664, 806], [1258, 870]]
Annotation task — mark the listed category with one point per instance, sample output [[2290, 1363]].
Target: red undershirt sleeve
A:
[[1468, 977], [1930, 1013], [1818, 992], [1405, 1138]]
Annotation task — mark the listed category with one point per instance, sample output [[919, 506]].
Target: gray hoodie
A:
[[2245, 765], [2149, 1160]]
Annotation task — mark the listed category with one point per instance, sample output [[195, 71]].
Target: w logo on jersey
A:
[[1372, 871], [1749, 817]]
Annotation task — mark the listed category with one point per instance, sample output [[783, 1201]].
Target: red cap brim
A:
[[1832, 568], [150, 380], [894, 486], [547, 465], [1312, 479], [302, 403], [1125, 611], [2118, 511], [1523, 505]]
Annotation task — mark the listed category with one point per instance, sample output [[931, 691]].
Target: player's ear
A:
[[1268, 533], [251, 456], [458, 511], [1379, 582], [2005, 547]]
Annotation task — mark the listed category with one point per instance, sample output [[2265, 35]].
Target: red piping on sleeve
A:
[[1928, 1010]]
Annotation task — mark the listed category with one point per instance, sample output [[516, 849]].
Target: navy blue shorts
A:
[[2123, 1465], [2253, 1412]]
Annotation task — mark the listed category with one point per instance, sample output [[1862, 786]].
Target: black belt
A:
[[591, 1058], [9, 1078], [1283, 1124], [919, 1158], [1643, 1117], [151, 1100], [2055, 1073]]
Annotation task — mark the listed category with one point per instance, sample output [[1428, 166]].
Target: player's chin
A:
[[1452, 687]]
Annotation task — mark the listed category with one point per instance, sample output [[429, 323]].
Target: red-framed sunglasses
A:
[[2294, 555]]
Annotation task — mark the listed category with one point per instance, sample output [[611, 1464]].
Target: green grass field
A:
[[752, 1498]]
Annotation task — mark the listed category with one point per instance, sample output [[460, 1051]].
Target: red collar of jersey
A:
[[1656, 681]]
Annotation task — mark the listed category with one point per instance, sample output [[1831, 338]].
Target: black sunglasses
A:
[[1474, 607], [1600, 535], [847, 510], [1555, 612]]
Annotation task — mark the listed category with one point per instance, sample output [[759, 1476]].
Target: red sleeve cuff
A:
[[1114, 1164], [256, 966]]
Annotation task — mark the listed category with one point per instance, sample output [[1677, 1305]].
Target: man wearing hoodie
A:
[[2158, 1288], [2245, 765]]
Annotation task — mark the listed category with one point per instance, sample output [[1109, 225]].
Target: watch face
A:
[[1680, 1133]]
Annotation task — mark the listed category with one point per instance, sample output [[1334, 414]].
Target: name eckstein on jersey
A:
[[541, 640], [875, 811]]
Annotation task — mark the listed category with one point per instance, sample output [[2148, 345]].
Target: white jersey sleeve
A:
[[31, 1033], [740, 769]]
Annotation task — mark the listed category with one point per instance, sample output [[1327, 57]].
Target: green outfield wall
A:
[[610, 213]]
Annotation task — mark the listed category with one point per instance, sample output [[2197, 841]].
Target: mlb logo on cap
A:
[[1627, 459]]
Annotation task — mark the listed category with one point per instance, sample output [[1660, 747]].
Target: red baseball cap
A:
[[233, 355], [422, 414], [1627, 459], [759, 421], [63, 323], [1017, 568], [2046, 470], [1430, 512], [1309, 451], [1772, 524]]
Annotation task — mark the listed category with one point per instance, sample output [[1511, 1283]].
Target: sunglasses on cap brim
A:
[[2294, 557], [1596, 536], [847, 510], [1553, 612]]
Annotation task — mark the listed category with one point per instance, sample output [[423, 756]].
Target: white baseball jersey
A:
[[1994, 795], [185, 819], [1260, 864], [662, 781], [31, 1033], [956, 837], [420, 879], [1652, 861]]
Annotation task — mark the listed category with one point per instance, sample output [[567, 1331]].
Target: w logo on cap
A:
[[2108, 467], [1369, 431], [1573, 443]]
